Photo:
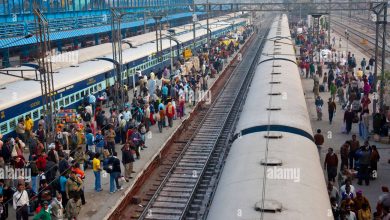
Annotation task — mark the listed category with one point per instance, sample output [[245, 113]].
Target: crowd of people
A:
[[352, 85], [55, 189]]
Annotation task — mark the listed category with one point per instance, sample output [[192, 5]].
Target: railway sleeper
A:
[[177, 189], [162, 217], [174, 194], [166, 211], [171, 199]]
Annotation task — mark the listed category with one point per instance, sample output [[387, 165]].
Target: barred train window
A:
[[4, 128], [12, 124], [35, 114], [67, 101]]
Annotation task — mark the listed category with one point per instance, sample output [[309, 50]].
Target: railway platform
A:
[[101, 204], [335, 138]]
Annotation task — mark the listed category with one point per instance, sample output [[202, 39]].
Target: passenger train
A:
[[273, 169], [21, 98]]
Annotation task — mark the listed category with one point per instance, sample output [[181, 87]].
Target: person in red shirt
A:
[[330, 164], [41, 162], [365, 102]]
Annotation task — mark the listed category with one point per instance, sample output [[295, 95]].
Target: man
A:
[[348, 119], [127, 160], [354, 146], [164, 91], [364, 162], [319, 103], [63, 180], [110, 138], [347, 187], [383, 200], [57, 209], [115, 172], [363, 64], [74, 185], [20, 202], [330, 164], [344, 155], [371, 62], [319, 139], [123, 129], [127, 114], [86, 116], [331, 109], [96, 171], [21, 130], [333, 192], [89, 139], [99, 142], [73, 208]]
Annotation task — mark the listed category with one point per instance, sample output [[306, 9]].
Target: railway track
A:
[[187, 188], [356, 36]]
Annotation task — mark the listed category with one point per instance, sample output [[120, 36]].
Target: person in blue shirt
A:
[[89, 138], [63, 179], [164, 92], [99, 142], [92, 102]]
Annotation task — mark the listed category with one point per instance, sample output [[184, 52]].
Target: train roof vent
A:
[[276, 73], [277, 48], [275, 82], [271, 162], [277, 53], [270, 206], [274, 109], [276, 65], [74, 65], [275, 93], [273, 136]]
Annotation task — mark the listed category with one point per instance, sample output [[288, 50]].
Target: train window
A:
[[67, 101], [95, 88], [91, 90], [12, 124], [35, 114], [72, 99], [82, 93], [61, 102], [4, 128], [41, 111], [77, 96], [56, 105]]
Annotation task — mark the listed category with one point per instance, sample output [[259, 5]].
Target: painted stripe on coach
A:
[[276, 58], [281, 128]]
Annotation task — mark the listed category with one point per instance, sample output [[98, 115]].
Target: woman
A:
[[364, 213]]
